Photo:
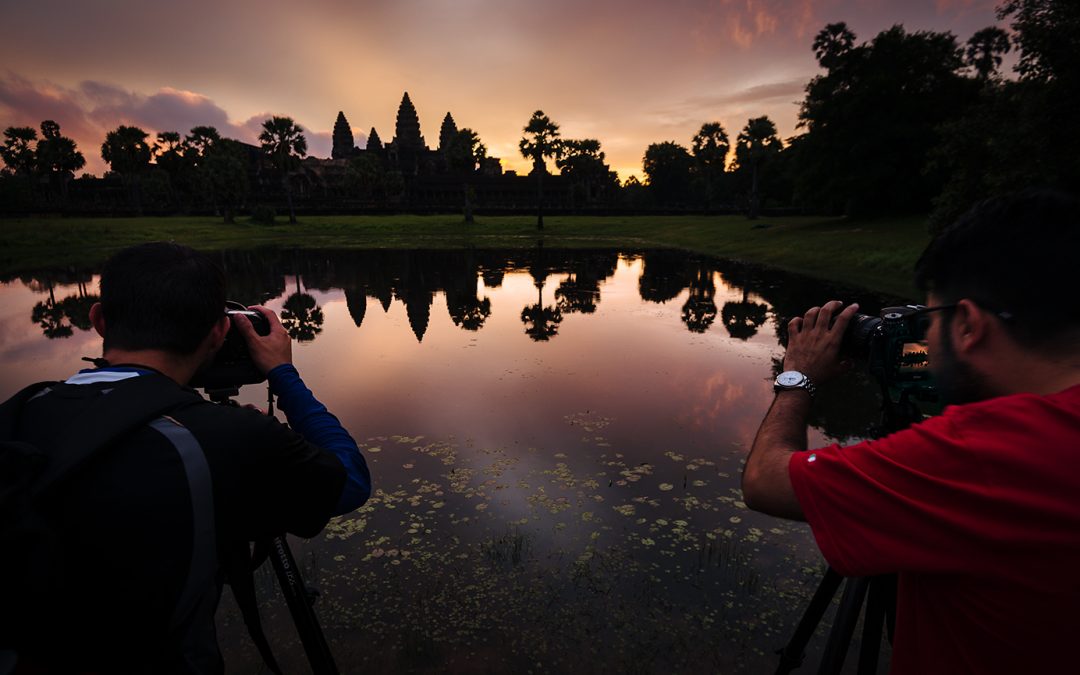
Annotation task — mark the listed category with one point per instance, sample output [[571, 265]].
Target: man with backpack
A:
[[126, 494]]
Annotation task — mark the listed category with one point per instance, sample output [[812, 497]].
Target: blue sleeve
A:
[[318, 426]]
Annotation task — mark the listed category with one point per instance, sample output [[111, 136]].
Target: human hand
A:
[[267, 351], [814, 340]]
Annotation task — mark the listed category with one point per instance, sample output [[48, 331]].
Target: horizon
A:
[[626, 78]]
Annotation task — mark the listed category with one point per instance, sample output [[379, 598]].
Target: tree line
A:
[[903, 122]]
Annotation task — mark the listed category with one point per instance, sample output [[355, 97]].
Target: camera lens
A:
[[859, 335]]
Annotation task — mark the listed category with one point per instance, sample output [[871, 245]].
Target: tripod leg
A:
[[872, 625], [843, 626], [791, 656], [303, 614]]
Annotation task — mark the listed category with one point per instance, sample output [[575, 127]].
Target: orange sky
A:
[[627, 73]]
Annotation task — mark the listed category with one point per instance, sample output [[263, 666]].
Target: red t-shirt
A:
[[978, 510]]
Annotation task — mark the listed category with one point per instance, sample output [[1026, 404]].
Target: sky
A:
[[628, 73]]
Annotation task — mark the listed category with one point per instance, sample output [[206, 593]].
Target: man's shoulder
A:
[[1012, 409]]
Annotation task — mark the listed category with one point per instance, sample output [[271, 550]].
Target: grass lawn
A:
[[877, 254]]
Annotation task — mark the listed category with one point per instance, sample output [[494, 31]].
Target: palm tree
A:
[[540, 142], [284, 143], [710, 149], [757, 143], [126, 151]]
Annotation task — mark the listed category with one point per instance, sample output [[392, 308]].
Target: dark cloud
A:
[[22, 103]]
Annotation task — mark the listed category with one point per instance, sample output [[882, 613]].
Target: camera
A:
[[892, 347], [232, 366]]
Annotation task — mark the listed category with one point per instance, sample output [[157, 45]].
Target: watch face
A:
[[789, 378]]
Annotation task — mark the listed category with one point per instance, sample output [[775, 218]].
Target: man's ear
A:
[[97, 318], [970, 326], [220, 330]]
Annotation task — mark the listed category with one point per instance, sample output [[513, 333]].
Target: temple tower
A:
[[447, 132], [343, 138], [373, 141], [407, 129]]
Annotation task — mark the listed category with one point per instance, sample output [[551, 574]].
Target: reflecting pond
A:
[[555, 437]]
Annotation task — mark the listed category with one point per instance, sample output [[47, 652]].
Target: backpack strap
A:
[[114, 413]]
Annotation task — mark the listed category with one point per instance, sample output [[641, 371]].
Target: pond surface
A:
[[556, 439]]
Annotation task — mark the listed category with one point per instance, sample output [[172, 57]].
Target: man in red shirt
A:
[[977, 510]]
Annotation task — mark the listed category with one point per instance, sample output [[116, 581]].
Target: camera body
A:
[[892, 347], [232, 366]]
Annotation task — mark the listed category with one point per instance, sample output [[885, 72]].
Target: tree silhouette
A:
[[541, 323], [226, 168], [984, 51], [710, 148], [582, 162], [464, 155], [875, 116], [664, 275], [199, 141], [57, 156], [17, 153], [469, 311], [284, 144], [832, 44], [756, 146], [127, 153], [302, 317], [540, 142], [742, 319], [667, 169], [699, 310], [50, 316]]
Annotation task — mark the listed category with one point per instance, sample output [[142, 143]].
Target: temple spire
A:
[[447, 132], [408, 127], [343, 138], [373, 140]]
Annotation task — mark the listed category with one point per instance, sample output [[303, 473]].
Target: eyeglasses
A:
[[921, 319]]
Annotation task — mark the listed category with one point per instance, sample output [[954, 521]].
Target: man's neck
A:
[[180, 369], [1027, 372]]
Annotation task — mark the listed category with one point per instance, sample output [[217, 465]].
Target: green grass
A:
[[877, 254]]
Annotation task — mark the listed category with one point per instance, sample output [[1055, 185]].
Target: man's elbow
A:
[[768, 490], [752, 488]]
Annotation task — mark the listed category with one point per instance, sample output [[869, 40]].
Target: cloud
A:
[[707, 107], [88, 111]]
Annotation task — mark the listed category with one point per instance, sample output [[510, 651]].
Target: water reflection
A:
[[556, 436]]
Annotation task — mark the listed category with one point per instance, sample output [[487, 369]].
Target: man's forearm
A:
[[310, 418], [766, 483]]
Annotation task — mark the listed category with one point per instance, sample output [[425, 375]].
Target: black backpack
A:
[[30, 568]]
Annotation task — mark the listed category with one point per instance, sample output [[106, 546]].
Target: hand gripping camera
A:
[[892, 347], [232, 366]]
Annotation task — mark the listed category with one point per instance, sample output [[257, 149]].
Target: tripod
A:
[[880, 590], [880, 610], [298, 596]]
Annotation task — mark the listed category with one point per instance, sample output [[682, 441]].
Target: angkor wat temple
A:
[[406, 172]]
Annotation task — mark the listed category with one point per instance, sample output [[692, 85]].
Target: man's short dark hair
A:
[[1017, 254], [160, 296]]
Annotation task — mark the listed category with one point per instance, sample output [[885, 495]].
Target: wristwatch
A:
[[793, 379]]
